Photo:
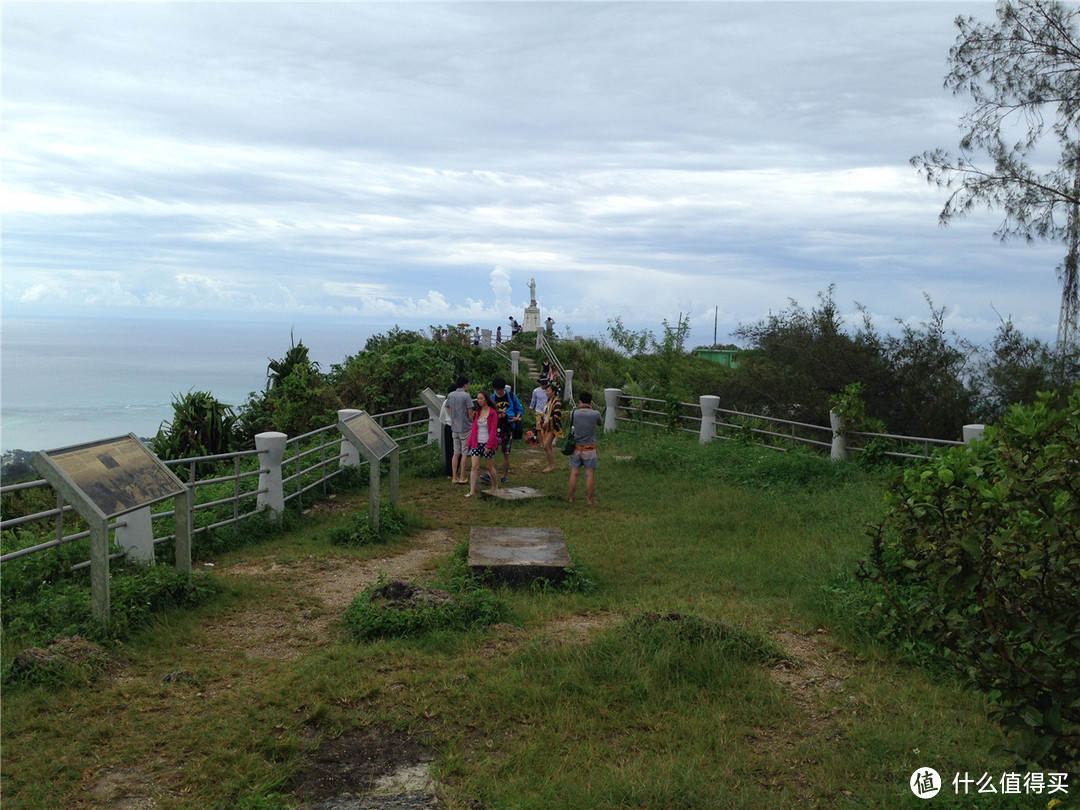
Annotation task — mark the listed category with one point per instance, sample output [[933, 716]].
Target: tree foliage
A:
[[798, 359], [979, 554], [1022, 74]]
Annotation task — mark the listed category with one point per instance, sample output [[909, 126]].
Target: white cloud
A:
[[380, 159]]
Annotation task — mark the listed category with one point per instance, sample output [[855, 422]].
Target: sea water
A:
[[66, 381]]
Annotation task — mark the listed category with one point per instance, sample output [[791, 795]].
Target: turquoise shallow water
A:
[[67, 381]]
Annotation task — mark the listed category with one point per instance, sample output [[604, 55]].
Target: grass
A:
[[583, 698]]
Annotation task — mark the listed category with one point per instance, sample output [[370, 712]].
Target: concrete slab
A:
[[515, 554], [512, 493]]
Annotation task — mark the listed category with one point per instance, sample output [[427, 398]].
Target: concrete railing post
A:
[[135, 535], [568, 391], [611, 411], [709, 404], [839, 443], [515, 357], [350, 456], [271, 492], [973, 433]]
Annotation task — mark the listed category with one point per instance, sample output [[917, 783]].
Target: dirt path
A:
[[327, 586]]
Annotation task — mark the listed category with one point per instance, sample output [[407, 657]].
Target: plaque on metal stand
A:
[[375, 444], [105, 479]]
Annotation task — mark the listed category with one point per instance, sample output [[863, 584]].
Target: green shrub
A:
[[393, 523], [137, 592], [979, 554], [469, 605]]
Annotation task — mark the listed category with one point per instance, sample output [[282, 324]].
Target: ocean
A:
[[66, 381]]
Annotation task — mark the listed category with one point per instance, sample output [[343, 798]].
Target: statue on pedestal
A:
[[532, 311]]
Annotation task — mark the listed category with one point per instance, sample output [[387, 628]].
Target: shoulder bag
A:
[[570, 442]]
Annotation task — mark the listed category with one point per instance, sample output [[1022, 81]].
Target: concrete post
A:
[[135, 535], [485, 339], [709, 404], [973, 433], [515, 357], [611, 411], [839, 443], [271, 492], [350, 456], [568, 390]]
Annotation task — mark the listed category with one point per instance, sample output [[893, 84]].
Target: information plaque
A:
[[375, 441], [105, 479], [115, 475], [432, 400]]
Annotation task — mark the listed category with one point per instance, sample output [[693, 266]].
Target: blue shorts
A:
[[589, 459]]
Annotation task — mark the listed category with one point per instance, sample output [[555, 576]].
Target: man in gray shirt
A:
[[460, 407], [584, 422]]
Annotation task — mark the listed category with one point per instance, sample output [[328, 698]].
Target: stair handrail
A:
[[543, 346]]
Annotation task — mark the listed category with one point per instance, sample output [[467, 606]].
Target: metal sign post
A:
[[375, 444]]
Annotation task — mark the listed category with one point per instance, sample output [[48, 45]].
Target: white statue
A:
[[532, 292]]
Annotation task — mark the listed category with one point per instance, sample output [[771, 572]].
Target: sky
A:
[[417, 163]]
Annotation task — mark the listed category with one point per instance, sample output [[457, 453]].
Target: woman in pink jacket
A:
[[483, 441]]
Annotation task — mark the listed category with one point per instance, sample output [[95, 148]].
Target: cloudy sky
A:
[[418, 163]]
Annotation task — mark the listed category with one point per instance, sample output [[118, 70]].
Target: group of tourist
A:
[[490, 425], [515, 330]]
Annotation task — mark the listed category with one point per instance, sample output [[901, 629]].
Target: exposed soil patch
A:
[[325, 586], [816, 676], [128, 787], [816, 667]]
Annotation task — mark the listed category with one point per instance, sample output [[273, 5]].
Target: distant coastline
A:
[[66, 381]]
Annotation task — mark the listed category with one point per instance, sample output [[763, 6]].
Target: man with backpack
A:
[[510, 411]]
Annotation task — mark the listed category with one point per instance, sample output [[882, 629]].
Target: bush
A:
[[979, 554], [137, 592], [397, 610], [393, 523]]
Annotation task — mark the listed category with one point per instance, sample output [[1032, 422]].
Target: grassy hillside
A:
[[694, 663]]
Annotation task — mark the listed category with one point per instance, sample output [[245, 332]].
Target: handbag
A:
[[570, 442]]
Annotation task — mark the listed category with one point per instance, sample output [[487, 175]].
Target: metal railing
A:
[[767, 430], [543, 346], [310, 463]]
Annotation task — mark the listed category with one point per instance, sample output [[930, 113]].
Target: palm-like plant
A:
[[201, 426], [295, 358]]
